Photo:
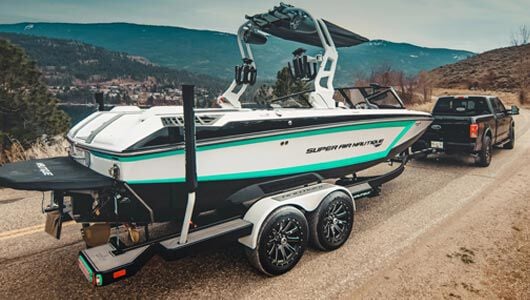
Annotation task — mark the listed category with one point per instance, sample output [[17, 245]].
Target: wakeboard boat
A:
[[127, 165]]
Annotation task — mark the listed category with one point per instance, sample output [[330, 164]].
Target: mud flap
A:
[[54, 224], [54, 215]]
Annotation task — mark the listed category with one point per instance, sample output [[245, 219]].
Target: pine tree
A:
[[263, 94], [27, 110], [286, 84]]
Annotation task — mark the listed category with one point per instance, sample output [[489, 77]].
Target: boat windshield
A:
[[372, 97], [297, 100]]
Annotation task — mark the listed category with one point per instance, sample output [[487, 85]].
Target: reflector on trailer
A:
[[119, 273], [85, 268], [99, 280]]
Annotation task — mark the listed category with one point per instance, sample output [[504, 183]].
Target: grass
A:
[[42, 148]]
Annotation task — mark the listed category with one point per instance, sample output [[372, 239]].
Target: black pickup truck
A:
[[469, 124]]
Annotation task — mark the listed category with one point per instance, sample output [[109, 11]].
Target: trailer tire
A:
[[484, 156], [511, 143], [284, 233], [331, 223]]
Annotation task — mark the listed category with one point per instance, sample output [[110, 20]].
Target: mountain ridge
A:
[[191, 49]]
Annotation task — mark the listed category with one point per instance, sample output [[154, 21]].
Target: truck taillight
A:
[[473, 131]]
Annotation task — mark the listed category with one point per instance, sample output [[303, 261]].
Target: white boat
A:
[[126, 165]]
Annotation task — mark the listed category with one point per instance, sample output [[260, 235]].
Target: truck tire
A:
[[511, 143], [331, 223], [282, 241], [484, 156]]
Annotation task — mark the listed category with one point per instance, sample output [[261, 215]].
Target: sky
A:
[[475, 25]]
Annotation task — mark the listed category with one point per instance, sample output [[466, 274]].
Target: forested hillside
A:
[[66, 62], [215, 53]]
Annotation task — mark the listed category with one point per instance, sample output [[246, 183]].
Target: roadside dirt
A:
[[443, 229], [483, 251]]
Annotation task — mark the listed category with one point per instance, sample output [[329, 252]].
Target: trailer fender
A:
[[306, 198]]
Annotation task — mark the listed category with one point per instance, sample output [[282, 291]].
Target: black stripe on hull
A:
[[169, 138]]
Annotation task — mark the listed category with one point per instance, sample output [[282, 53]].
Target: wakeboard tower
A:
[[225, 172]]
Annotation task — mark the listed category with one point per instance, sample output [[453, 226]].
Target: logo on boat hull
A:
[[375, 143], [436, 127], [44, 169]]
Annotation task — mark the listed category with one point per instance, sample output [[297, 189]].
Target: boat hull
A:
[[228, 166], [168, 200]]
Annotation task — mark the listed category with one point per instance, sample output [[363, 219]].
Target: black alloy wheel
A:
[[281, 242], [332, 222]]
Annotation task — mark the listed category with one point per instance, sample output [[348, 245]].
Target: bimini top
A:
[[290, 23]]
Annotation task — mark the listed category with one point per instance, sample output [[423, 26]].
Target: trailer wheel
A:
[[484, 156], [331, 223], [282, 240]]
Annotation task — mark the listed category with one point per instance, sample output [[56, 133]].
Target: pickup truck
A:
[[471, 125]]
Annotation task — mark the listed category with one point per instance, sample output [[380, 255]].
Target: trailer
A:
[[319, 213], [279, 220]]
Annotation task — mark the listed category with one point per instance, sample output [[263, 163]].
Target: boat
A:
[[127, 165]]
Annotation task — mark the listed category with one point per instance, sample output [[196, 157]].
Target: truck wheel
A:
[[511, 143], [282, 241], [484, 156], [331, 223]]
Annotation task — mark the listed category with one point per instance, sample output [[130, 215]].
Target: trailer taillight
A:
[[119, 274], [98, 280], [473, 131]]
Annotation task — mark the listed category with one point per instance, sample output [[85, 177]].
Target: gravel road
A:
[[387, 231]]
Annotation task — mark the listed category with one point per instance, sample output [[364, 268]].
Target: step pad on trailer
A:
[[212, 232], [101, 265], [102, 258]]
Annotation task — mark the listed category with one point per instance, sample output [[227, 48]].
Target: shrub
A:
[[523, 96], [27, 111]]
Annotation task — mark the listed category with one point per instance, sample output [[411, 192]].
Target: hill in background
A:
[[506, 69], [215, 53], [67, 62]]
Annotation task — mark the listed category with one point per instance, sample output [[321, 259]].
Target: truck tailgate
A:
[[449, 129]]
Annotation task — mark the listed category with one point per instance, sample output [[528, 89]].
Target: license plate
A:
[[437, 144]]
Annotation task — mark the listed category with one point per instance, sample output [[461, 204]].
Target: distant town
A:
[[127, 92]]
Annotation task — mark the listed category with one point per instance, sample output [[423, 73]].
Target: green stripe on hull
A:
[[297, 169], [256, 140]]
